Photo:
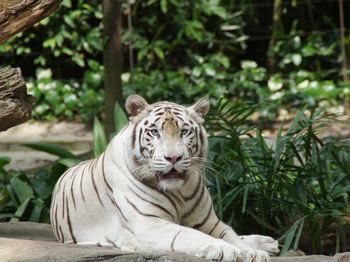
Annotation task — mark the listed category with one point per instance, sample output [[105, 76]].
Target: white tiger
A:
[[147, 192]]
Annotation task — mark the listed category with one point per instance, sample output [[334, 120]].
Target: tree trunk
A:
[[15, 104], [112, 59], [277, 31], [16, 16], [345, 66]]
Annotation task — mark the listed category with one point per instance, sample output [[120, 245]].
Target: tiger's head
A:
[[168, 141]]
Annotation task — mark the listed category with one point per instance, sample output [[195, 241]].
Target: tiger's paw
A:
[[265, 243], [254, 255], [220, 252]]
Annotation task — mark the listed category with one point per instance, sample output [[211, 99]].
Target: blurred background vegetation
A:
[[185, 49], [255, 58]]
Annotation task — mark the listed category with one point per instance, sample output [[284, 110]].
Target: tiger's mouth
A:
[[172, 174]]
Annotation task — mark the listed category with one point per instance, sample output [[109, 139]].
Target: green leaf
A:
[[69, 162], [298, 234], [245, 199], [100, 140], [4, 160], [36, 214], [164, 6], [141, 54], [288, 237], [120, 118], [51, 149], [159, 52], [22, 189], [5, 215], [20, 210]]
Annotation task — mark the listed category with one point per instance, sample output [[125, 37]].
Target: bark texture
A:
[[15, 104], [16, 16], [112, 59]]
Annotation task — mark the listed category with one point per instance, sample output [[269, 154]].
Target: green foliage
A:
[[201, 48], [66, 99], [100, 140], [120, 118], [27, 197], [99, 136], [296, 184]]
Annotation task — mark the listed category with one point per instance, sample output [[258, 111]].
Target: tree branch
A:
[[15, 104], [17, 16]]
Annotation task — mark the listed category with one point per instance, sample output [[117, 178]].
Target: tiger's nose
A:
[[173, 158]]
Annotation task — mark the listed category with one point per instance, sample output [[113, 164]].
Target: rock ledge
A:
[[25, 241]]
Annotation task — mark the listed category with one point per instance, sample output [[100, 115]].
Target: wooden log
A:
[[16, 16], [15, 104]]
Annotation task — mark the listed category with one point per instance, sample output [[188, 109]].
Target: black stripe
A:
[[95, 187], [196, 203], [56, 228], [71, 187], [143, 191], [222, 255], [179, 117], [142, 148], [158, 109], [133, 140], [62, 236], [58, 186], [120, 213], [172, 242], [69, 224], [199, 225], [223, 233], [118, 208], [81, 182], [196, 145], [138, 211], [212, 230], [63, 201], [153, 188], [201, 137], [104, 174], [190, 197], [177, 109], [111, 242], [152, 203], [165, 195]]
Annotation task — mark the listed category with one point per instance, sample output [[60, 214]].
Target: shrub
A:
[[295, 188]]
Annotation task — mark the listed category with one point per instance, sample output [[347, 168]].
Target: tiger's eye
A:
[[184, 132], [155, 132]]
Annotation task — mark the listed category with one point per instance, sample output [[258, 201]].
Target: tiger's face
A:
[[168, 141]]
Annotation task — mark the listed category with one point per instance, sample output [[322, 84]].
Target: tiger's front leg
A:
[[251, 252], [156, 234], [266, 243]]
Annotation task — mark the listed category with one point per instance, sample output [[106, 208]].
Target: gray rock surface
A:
[[74, 137], [25, 241]]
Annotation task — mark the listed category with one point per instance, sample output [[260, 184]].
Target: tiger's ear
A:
[[201, 107], [135, 104]]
